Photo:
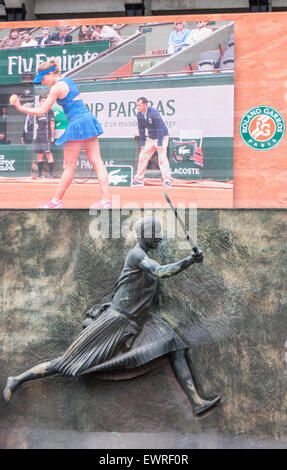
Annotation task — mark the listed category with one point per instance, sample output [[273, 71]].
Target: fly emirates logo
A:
[[18, 64]]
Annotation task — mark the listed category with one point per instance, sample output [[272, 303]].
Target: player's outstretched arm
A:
[[55, 92]]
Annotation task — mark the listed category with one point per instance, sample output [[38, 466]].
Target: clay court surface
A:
[[28, 193]]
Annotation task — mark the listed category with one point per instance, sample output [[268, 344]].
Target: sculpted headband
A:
[[148, 227], [40, 75]]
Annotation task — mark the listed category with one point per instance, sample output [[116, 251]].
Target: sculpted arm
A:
[[168, 270]]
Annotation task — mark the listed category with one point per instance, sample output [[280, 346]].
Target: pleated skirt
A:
[[81, 127], [113, 342]]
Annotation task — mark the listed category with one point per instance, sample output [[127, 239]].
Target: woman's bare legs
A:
[[41, 370], [92, 148], [71, 152], [182, 370]]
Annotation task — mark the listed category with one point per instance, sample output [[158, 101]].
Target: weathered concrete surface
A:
[[231, 310]]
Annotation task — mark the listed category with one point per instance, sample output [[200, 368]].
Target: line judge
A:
[[156, 140]]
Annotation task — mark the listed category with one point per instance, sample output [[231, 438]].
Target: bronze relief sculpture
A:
[[124, 334]]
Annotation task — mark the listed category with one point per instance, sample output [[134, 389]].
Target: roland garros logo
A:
[[262, 128]]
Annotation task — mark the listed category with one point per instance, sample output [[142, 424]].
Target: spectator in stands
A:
[[177, 38], [62, 36], [13, 41], [46, 37], [105, 32], [201, 32], [27, 40], [85, 33], [3, 126]]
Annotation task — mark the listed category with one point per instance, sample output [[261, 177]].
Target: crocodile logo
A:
[[183, 151], [115, 178]]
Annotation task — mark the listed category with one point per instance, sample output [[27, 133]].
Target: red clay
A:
[[33, 193]]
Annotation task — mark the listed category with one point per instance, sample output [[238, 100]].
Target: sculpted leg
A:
[[183, 374], [41, 370]]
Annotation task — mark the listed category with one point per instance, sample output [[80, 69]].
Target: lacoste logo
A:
[[183, 150], [115, 178]]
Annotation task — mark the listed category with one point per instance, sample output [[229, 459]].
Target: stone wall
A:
[[231, 310]]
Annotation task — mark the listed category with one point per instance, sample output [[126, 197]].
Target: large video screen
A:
[[161, 94]]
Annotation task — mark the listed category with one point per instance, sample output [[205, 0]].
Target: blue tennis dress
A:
[[82, 125]]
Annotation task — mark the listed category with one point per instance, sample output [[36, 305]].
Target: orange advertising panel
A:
[[192, 105]]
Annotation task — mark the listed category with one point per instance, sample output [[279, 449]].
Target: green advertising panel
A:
[[14, 64], [15, 161], [187, 159], [119, 174]]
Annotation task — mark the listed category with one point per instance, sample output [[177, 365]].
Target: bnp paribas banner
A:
[[208, 109]]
